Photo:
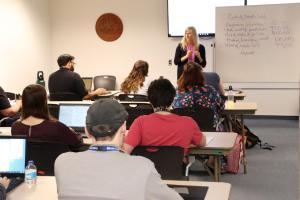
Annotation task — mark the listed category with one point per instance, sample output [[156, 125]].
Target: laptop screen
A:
[[73, 115], [88, 83], [12, 155]]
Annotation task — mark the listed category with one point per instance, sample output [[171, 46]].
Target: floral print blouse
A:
[[200, 97]]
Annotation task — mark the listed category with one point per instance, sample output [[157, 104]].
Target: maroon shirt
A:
[[48, 130]]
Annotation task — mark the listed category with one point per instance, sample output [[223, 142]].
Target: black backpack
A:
[[252, 139]]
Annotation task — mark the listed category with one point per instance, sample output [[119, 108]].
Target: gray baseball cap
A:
[[104, 117]]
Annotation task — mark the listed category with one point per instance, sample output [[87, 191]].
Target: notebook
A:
[[73, 115], [13, 159]]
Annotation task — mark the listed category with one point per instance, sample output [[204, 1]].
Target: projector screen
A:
[[197, 13], [262, 2]]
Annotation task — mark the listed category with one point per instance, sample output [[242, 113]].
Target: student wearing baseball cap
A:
[[104, 171]]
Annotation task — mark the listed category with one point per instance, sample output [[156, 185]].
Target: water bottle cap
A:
[[30, 162]]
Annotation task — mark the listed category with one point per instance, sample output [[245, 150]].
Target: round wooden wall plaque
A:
[[109, 27]]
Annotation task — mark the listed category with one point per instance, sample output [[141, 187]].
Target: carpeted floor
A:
[[272, 175]]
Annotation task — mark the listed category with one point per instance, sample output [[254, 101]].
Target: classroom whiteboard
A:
[[258, 44]]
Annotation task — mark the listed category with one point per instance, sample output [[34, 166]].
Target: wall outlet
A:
[[170, 62]]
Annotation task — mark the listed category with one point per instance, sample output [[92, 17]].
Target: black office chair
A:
[[53, 110], [205, 120], [168, 160], [133, 97], [135, 110], [44, 154], [105, 81], [204, 117], [12, 96], [64, 96]]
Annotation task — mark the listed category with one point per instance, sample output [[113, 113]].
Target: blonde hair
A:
[[136, 77], [184, 42]]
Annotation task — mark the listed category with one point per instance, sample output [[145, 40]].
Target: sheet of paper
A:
[[209, 139]]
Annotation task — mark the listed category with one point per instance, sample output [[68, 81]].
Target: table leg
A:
[[243, 146], [217, 168]]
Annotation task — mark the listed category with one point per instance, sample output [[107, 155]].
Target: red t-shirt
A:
[[164, 130]]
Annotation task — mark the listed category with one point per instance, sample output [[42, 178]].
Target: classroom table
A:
[[231, 111], [221, 143], [89, 102], [45, 189]]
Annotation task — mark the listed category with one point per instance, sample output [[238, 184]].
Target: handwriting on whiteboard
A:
[[249, 32]]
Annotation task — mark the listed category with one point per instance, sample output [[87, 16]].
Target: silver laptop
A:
[[73, 115]]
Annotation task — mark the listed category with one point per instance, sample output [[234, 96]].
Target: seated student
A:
[[6, 110], [3, 185], [137, 82], [213, 79], [163, 128], [36, 123], [65, 80], [192, 92], [104, 171]]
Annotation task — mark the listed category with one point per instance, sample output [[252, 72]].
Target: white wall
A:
[[24, 42], [144, 37], [35, 32]]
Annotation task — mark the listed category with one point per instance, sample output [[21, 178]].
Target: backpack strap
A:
[[266, 146]]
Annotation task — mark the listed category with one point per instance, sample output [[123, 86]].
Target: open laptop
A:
[[13, 159], [88, 81], [73, 115], [190, 192]]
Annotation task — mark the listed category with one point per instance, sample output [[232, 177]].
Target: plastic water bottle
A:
[[230, 97], [30, 174]]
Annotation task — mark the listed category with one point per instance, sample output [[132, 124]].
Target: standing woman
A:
[[188, 50]]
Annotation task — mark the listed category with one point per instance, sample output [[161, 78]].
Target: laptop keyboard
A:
[[14, 182]]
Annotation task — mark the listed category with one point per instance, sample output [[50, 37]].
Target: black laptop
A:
[[13, 159], [73, 115], [190, 192]]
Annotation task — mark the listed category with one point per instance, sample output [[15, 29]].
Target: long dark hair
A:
[[34, 102], [191, 76]]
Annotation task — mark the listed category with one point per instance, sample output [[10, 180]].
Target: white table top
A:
[[45, 189], [240, 107], [221, 140], [221, 144]]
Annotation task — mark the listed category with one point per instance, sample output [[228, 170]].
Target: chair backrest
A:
[[53, 110], [44, 154], [88, 82], [133, 97], [105, 81], [135, 110], [11, 96], [204, 117], [168, 160], [64, 96]]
